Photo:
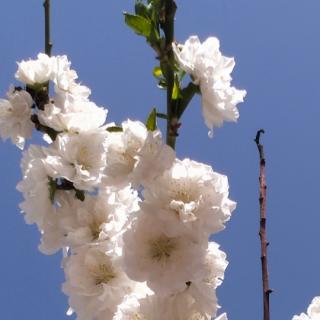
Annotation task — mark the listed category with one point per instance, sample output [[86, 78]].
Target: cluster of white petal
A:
[[33, 72], [74, 114], [95, 282], [15, 113], [153, 307], [190, 195], [167, 246], [83, 157], [136, 155], [211, 71], [132, 220], [313, 312], [36, 167], [70, 109], [98, 219]]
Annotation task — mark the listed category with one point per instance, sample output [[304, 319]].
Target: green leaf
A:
[[157, 72], [152, 120], [154, 37], [80, 194], [114, 129], [138, 24], [154, 9], [175, 90], [141, 9], [52, 188]]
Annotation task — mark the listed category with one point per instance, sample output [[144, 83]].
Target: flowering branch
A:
[[144, 213], [262, 232]]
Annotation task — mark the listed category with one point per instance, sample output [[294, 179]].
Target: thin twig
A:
[[262, 232], [47, 39], [47, 36]]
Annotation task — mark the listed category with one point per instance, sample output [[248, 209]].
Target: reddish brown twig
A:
[[262, 232]]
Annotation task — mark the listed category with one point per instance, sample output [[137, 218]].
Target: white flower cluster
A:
[[313, 312], [132, 219], [211, 71]]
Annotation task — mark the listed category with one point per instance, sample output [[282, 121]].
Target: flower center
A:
[[136, 316], [183, 195], [182, 191], [83, 158], [162, 248], [95, 228], [103, 273], [129, 160]]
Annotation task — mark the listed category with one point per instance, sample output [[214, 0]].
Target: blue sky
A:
[[277, 48]]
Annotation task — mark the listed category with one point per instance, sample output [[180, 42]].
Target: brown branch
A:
[[262, 232], [47, 40]]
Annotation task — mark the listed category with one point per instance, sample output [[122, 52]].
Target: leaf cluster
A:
[[154, 20]]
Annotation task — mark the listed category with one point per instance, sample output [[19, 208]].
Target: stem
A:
[[167, 26], [47, 40], [48, 43], [263, 233]]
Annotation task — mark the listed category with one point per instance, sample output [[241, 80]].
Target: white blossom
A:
[[70, 109], [313, 312], [55, 68], [97, 219], [166, 263], [83, 157], [212, 274], [39, 71], [193, 194], [152, 159], [136, 155], [72, 113], [36, 171], [55, 226], [15, 114], [63, 76], [129, 309], [211, 71], [95, 283], [179, 306]]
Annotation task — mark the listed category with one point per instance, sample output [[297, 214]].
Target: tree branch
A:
[[262, 232]]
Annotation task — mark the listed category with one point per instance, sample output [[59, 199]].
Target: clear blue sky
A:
[[276, 44]]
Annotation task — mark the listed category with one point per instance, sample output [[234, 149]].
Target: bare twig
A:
[[262, 232], [48, 43]]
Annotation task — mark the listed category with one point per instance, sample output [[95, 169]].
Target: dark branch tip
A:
[[259, 132]]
